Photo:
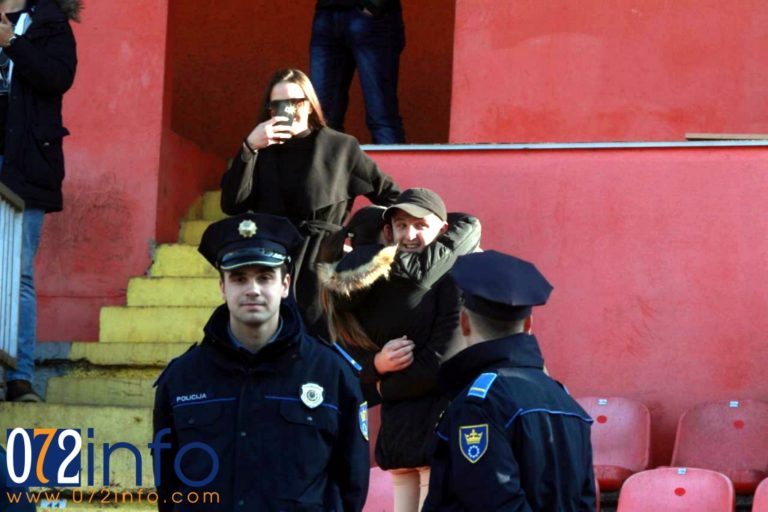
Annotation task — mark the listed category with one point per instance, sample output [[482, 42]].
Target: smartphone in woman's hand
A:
[[285, 108]]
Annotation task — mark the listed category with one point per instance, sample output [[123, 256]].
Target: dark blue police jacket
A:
[[275, 452], [512, 439]]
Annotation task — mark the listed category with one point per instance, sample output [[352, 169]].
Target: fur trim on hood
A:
[[345, 282], [71, 8]]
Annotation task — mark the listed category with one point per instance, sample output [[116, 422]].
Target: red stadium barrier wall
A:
[[129, 179], [658, 259], [657, 255], [590, 70], [114, 112]]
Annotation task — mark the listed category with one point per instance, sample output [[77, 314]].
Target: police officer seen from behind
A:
[[512, 438], [281, 411]]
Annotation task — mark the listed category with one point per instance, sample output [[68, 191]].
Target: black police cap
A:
[[250, 239], [499, 286]]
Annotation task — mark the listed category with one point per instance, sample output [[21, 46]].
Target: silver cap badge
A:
[[247, 228]]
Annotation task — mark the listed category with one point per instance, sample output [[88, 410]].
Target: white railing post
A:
[[11, 209]]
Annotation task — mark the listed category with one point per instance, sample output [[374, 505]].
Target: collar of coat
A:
[[274, 357], [344, 279], [517, 351]]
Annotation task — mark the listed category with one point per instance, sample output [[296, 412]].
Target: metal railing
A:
[[11, 209]]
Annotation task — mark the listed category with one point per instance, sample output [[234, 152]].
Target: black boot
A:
[[20, 391]]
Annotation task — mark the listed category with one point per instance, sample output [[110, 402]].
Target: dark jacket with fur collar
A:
[[409, 295], [44, 60]]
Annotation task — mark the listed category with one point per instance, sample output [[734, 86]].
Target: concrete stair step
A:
[[110, 425], [153, 324], [102, 390], [192, 231], [212, 206], [180, 260], [174, 291], [146, 354]]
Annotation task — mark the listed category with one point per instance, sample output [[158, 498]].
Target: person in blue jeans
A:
[[367, 35], [37, 66]]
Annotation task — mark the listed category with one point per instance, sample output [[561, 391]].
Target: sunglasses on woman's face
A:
[[275, 105]]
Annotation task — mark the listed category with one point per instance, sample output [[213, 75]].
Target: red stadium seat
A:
[[760, 502], [621, 438], [729, 437], [380, 492], [677, 490]]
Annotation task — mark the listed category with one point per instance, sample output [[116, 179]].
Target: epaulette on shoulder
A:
[[170, 363], [351, 360], [479, 388]]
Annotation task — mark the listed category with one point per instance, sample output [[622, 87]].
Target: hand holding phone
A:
[[267, 133]]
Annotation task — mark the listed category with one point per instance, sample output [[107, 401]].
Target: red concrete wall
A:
[[185, 168], [658, 259], [657, 256], [224, 57], [114, 114], [128, 178], [590, 70]]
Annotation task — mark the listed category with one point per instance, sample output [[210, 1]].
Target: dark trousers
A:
[[348, 39]]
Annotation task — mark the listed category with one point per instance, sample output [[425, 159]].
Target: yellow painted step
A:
[[180, 260], [101, 390], [174, 291], [192, 231], [110, 425], [153, 324], [212, 206], [127, 354]]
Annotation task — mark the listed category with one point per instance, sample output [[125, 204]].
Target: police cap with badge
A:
[[500, 286], [250, 239]]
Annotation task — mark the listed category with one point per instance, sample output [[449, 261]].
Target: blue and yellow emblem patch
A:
[[473, 441], [363, 417]]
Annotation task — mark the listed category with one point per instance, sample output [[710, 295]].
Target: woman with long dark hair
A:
[[291, 164]]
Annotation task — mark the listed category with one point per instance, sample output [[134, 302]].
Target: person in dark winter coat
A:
[[37, 66], [397, 312], [260, 413], [291, 164], [512, 439]]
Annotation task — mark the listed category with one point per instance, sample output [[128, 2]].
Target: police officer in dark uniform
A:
[[512, 438], [260, 413]]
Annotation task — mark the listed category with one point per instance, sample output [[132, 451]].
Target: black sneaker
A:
[[20, 391]]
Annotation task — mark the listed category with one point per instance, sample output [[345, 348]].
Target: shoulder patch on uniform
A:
[[354, 364], [363, 418], [473, 441], [482, 384]]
